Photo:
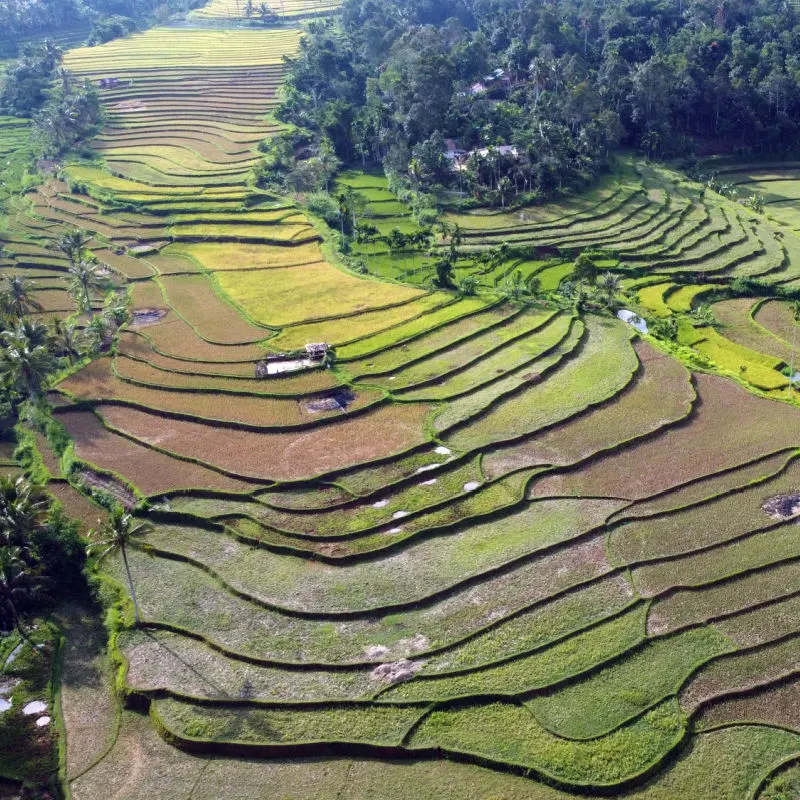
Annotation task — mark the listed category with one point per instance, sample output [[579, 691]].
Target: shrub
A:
[[61, 554], [323, 205]]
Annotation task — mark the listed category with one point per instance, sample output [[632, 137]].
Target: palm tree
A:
[[65, 339], [17, 296], [796, 319], [115, 308], [64, 77], [72, 244], [704, 315], [609, 285], [24, 507], [17, 587], [117, 533], [85, 276], [99, 333], [27, 357]]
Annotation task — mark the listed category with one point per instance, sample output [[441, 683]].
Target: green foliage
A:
[[585, 270], [27, 752], [444, 273], [111, 27], [71, 113], [323, 205], [61, 554], [666, 329], [24, 87], [391, 82], [509, 732]]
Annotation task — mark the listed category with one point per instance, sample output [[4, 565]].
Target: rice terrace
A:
[[400, 400]]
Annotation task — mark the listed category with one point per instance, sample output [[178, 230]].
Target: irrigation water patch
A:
[[339, 400], [782, 506], [142, 317]]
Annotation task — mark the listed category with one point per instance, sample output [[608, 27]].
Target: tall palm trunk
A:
[[130, 584]]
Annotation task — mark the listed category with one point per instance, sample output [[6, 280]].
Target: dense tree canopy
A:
[[35, 85], [564, 81]]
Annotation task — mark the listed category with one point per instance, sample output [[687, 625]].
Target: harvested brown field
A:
[[775, 704], [136, 346], [49, 458], [130, 267], [97, 382], [281, 456], [210, 314], [311, 380], [660, 395], [150, 471], [734, 315], [713, 440], [776, 317], [174, 337], [76, 506]]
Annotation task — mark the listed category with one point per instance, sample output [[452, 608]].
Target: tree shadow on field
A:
[[219, 690]]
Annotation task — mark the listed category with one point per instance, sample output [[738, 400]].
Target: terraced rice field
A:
[[218, 10], [15, 149], [492, 549]]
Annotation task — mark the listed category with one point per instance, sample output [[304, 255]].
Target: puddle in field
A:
[[13, 655], [279, 367], [632, 319], [471, 486], [140, 317], [337, 401], [782, 506]]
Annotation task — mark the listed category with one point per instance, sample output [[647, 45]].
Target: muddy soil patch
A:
[[110, 485]]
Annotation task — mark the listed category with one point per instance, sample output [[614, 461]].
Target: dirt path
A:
[[87, 701]]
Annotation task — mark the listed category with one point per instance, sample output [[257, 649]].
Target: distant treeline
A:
[[101, 20]]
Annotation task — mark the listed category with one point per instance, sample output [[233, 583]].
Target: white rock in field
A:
[[471, 486], [380, 504], [428, 468], [36, 707], [399, 514], [428, 483], [398, 671], [42, 721], [443, 451]]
